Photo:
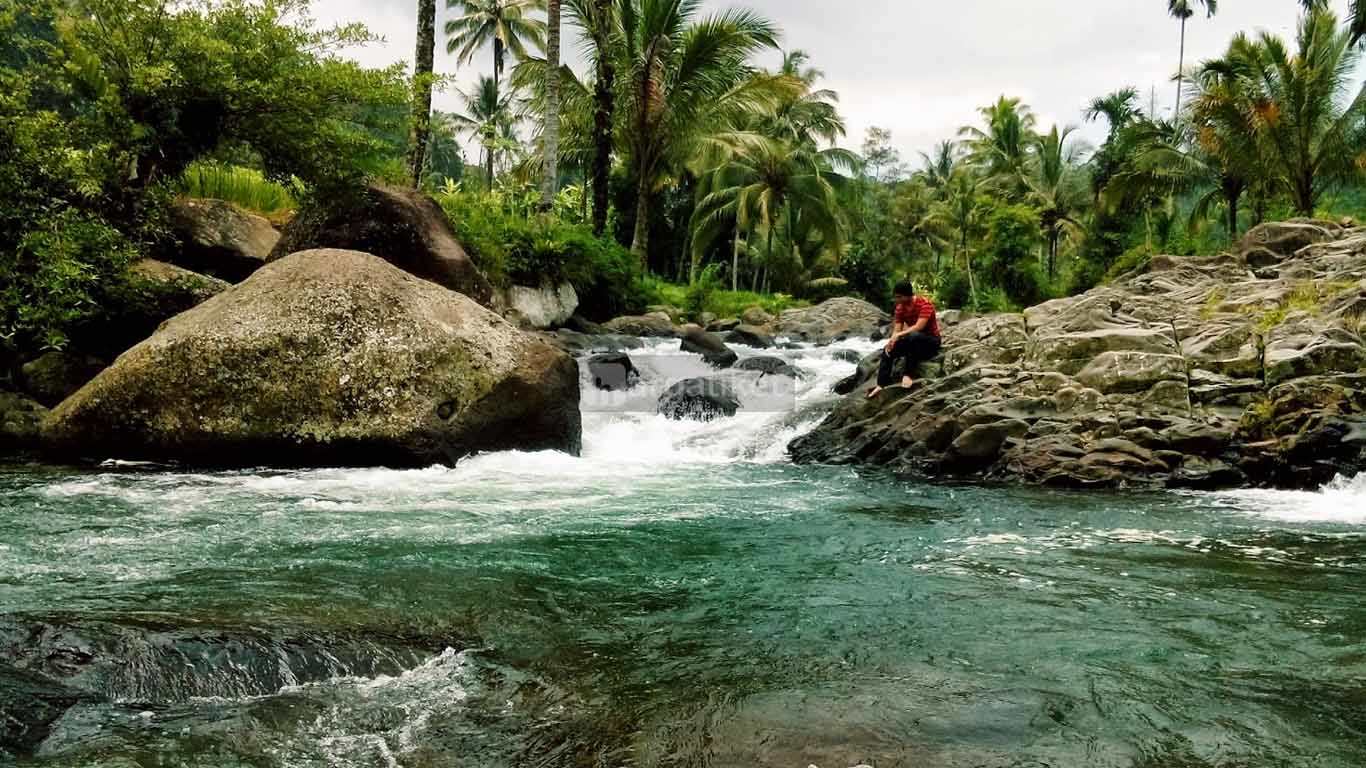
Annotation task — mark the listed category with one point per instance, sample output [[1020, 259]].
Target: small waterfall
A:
[[623, 428]]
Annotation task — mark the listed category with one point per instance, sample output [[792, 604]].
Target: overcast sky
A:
[[922, 68]]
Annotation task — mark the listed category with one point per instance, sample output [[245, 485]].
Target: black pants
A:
[[915, 348]]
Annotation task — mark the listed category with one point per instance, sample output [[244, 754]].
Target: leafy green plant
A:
[[55, 278], [246, 187], [699, 294]]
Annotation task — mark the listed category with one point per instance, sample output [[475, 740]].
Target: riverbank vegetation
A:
[[693, 159]]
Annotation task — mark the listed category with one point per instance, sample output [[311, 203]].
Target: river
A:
[[680, 596]]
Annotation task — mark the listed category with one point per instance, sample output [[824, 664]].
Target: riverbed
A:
[[680, 595]]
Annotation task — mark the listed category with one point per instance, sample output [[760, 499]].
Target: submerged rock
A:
[[326, 358], [401, 226], [699, 400], [1189, 373]]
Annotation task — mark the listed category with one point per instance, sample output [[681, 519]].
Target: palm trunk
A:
[[735, 263], [640, 241], [967, 265], [604, 108], [498, 62], [1180, 65], [552, 105], [423, 60]]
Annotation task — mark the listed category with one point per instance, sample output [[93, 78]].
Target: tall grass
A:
[[246, 187]]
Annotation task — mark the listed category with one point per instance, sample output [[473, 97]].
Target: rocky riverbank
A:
[[1246, 368]]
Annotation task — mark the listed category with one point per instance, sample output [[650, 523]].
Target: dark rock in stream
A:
[[49, 665], [1189, 372], [713, 351], [29, 704], [613, 371], [699, 399], [162, 664], [768, 366]]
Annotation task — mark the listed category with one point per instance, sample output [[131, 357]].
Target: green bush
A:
[[514, 247], [1132, 259], [1011, 259], [952, 290], [699, 294], [866, 277], [56, 277]]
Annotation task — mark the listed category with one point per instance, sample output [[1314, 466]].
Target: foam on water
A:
[[1343, 501]]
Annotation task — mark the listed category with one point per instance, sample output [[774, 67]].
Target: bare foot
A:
[[874, 392], [907, 382]]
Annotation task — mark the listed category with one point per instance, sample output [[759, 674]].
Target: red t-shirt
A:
[[908, 313]]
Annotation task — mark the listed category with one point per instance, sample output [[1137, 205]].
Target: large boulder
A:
[[217, 238], [833, 320], [404, 227], [698, 400], [326, 358], [549, 305], [652, 325]]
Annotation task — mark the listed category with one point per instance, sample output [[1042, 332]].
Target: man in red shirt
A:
[[915, 337]]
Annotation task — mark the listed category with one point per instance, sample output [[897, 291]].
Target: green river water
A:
[[680, 596]]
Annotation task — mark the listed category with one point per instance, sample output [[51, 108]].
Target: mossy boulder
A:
[[326, 358], [401, 226], [20, 419], [151, 293]]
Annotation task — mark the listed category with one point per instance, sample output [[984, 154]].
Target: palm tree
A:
[[685, 77], [600, 24], [444, 158], [1056, 189], [488, 117], [1358, 23], [1183, 10], [423, 63], [765, 185], [551, 177], [809, 116], [916, 217], [1301, 113], [506, 24], [1001, 148], [961, 210], [1119, 108], [940, 165]]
